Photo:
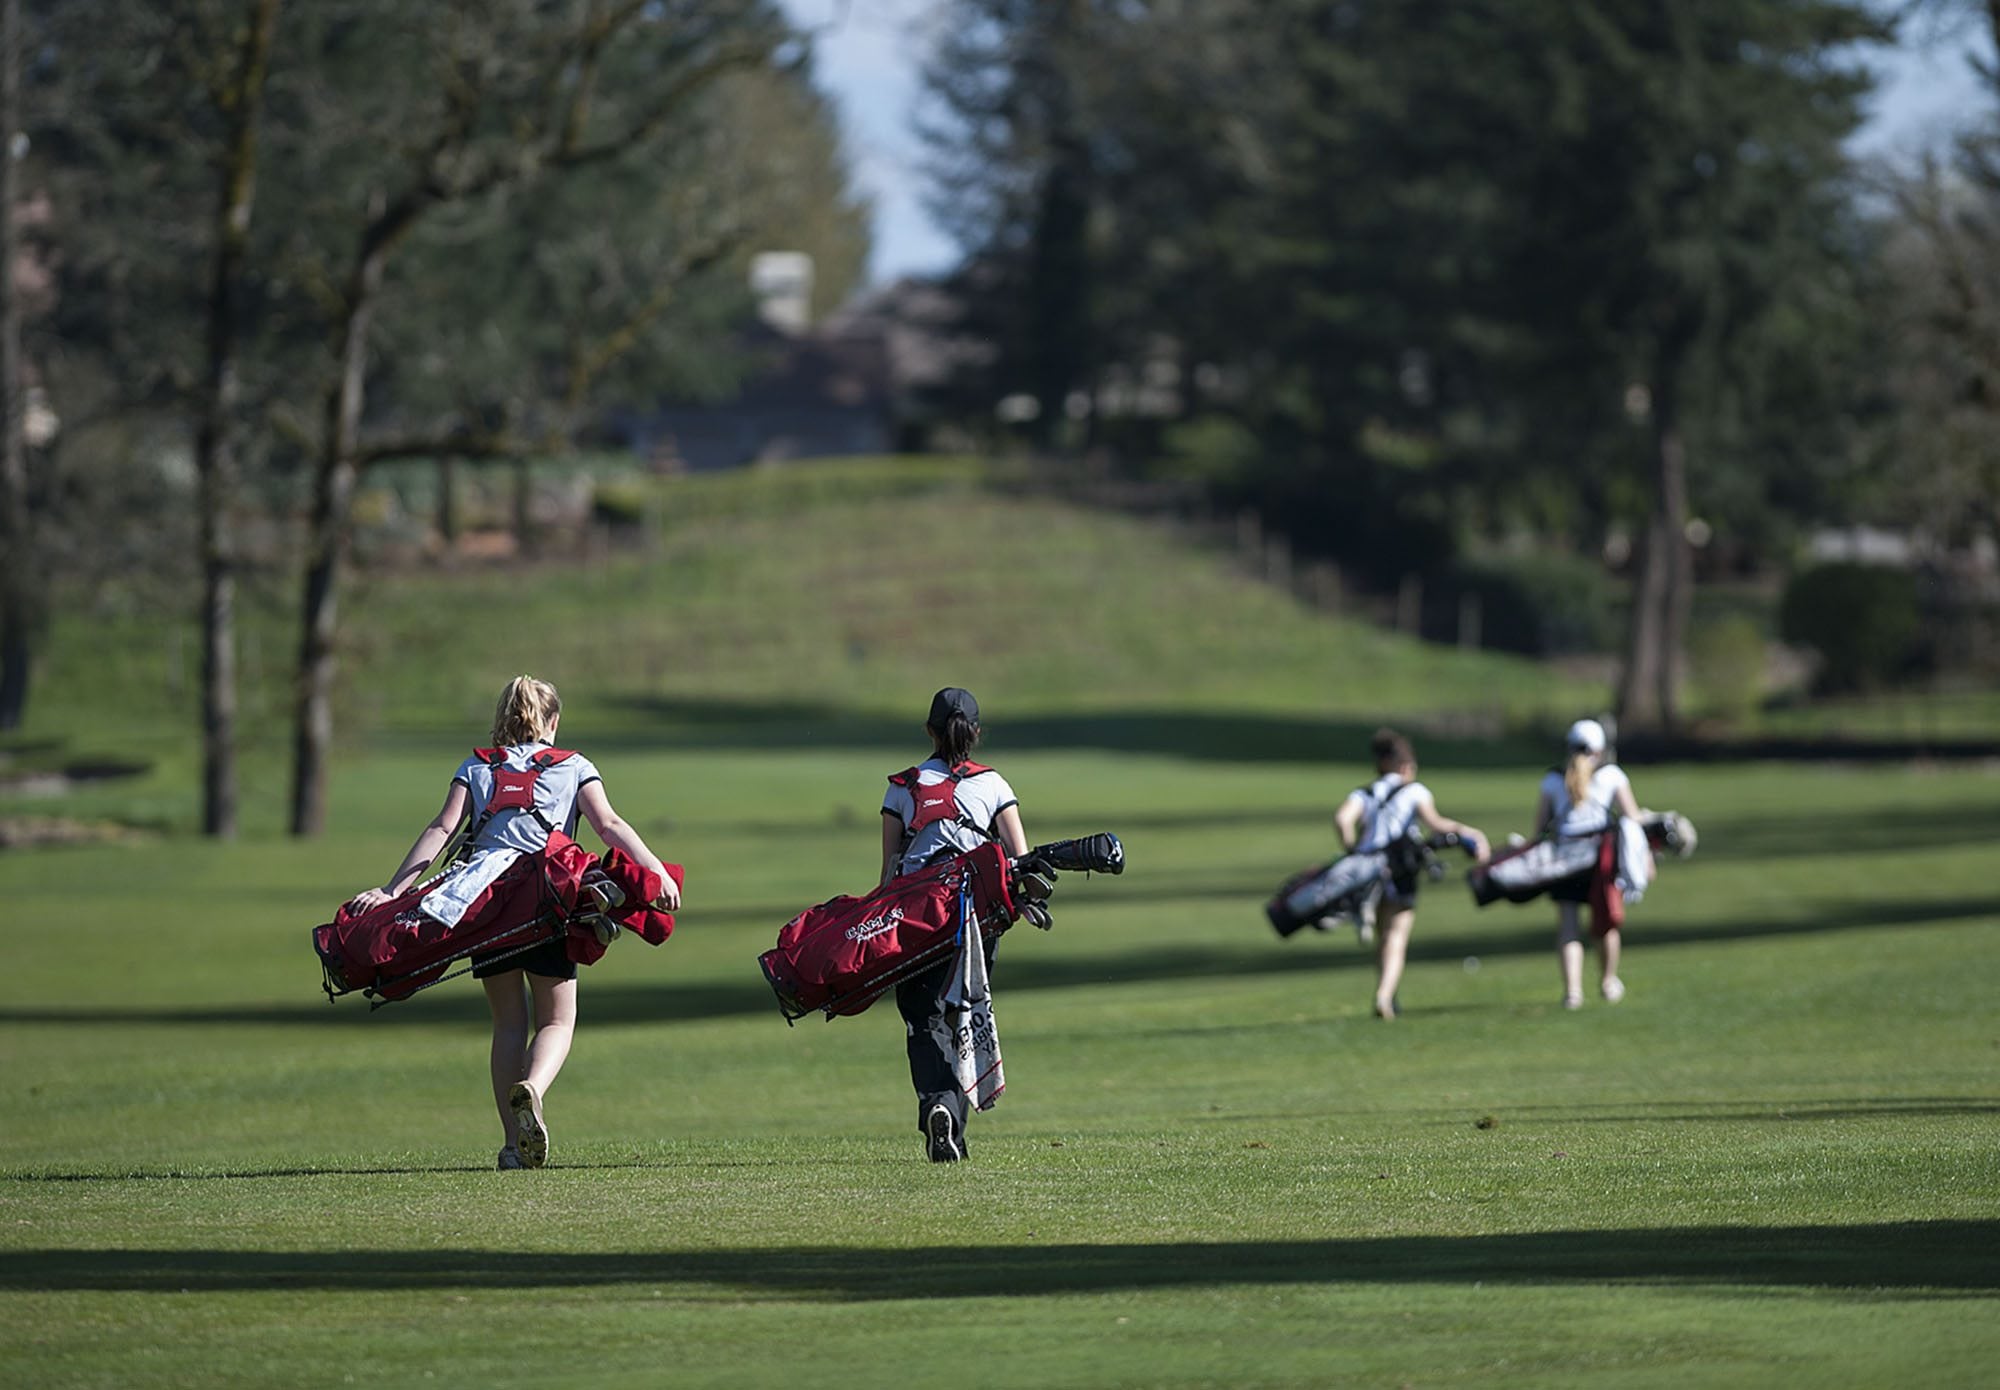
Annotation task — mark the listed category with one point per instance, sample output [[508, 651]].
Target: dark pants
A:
[[933, 1069]]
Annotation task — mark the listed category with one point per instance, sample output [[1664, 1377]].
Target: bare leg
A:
[[555, 1026], [1569, 947], [1610, 948], [1392, 944], [507, 997]]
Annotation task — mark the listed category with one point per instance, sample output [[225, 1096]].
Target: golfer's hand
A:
[[369, 898], [1481, 851], [669, 899]]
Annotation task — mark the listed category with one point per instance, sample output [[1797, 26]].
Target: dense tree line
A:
[[1416, 278], [295, 240]]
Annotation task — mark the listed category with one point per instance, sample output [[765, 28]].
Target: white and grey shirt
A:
[[1594, 812], [1388, 805], [556, 791], [981, 799]]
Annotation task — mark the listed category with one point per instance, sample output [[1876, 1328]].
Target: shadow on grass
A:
[[1953, 1256], [1803, 1111], [1847, 833], [231, 1175], [1443, 739], [1225, 735], [1244, 949]]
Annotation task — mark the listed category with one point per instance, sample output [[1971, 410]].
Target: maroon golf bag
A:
[[844, 954], [395, 949]]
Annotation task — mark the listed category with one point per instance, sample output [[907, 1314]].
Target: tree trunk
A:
[[524, 508], [1677, 601], [215, 451], [18, 584], [447, 500], [333, 491], [1059, 294], [1662, 595]]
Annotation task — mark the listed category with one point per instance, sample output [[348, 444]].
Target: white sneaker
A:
[[1572, 1001], [1613, 989]]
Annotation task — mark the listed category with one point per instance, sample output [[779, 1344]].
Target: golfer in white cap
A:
[[1582, 797]]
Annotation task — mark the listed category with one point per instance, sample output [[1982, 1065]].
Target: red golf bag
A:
[[391, 951], [844, 954]]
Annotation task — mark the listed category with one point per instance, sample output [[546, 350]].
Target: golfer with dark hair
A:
[[945, 805], [1374, 818]]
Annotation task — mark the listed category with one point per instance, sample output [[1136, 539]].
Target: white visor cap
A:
[[1586, 736]]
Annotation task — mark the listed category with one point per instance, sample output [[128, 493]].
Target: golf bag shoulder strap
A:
[[514, 788], [547, 758], [907, 778], [938, 800], [1378, 804]]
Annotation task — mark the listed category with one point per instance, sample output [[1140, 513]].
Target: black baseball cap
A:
[[949, 701]]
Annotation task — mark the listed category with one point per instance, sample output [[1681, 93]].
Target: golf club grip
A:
[[1101, 853]]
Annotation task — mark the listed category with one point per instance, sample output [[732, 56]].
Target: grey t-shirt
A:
[[981, 799], [555, 797], [1388, 805]]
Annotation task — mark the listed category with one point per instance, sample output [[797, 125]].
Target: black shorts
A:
[[1401, 893], [547, 959]]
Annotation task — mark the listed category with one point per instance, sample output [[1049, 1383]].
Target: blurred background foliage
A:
[[1572, 331]]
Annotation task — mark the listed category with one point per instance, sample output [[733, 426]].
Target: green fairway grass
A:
[[1776, 1163]]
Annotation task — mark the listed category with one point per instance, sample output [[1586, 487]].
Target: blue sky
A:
[[868, 51]]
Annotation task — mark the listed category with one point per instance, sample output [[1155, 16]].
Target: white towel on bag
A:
[[964, 1024], [452, 894]]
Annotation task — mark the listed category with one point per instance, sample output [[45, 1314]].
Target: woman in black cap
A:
[[945, 805]]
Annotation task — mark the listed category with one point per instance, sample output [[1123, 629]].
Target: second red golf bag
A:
[[391, 951], [844, 954]]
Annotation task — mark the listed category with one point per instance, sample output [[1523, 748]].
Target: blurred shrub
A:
[[619, 503], [1209, 449], [1728, 658], [1862, 620], [1548, 604]]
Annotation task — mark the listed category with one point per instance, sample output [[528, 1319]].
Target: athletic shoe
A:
[[1572, 1001], [1614, 989], [941, 1137], [510, 1159], [1392, 1011], [533, 1142]]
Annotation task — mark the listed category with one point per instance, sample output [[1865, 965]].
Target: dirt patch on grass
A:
[[47, 832]]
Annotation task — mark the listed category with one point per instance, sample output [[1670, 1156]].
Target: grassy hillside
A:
[[810, 605]]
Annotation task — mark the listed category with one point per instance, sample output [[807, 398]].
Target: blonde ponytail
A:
[[1576, 774], [526, 712]]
